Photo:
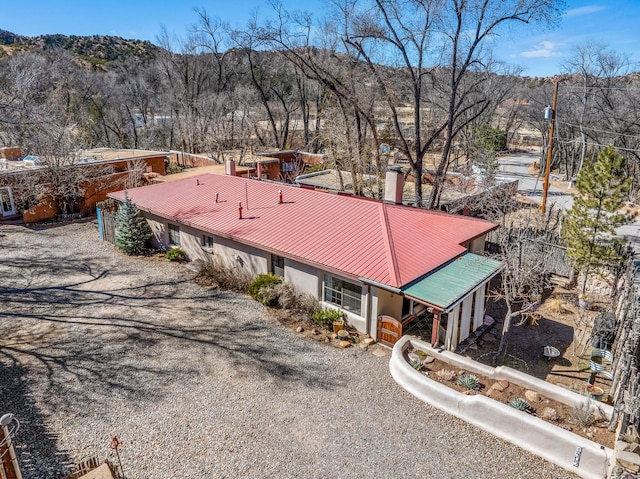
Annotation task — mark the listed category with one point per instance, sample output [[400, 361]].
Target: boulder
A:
[[344, 344], [369, 341], [299, 329], [428, 360], [446, 374], [504, 383], [532, 396], [498, 387]]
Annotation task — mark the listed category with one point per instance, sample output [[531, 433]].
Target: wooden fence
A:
[[106, 214]]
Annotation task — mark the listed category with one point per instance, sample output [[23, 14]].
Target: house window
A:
[[207, 241], [277, 265], [342, 293], [174, 235]]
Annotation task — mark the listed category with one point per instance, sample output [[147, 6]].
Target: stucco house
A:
[[380, 262]]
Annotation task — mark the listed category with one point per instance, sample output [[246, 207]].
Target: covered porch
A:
[[451, 300]]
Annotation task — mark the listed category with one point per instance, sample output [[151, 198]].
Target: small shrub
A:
[[176, 254], [416, 364], [520, 404], [582, 416], [259, 289], [327, 317], [222, 276], [469, 381], [173, 168], [287, 297]]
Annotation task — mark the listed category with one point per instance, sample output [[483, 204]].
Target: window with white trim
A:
[[174, 235], [344, 294]]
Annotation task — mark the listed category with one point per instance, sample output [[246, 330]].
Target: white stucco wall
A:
[[477, 245], [305, 278], [249, 258]]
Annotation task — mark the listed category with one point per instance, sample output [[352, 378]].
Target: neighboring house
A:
[[383, 264], [29, 177]]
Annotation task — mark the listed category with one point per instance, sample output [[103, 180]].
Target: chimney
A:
[[230, 168], [394, 185]]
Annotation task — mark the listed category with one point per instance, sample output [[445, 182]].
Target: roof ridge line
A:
[[395, 274]]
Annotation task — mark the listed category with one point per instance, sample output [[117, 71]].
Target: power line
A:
[[590, 143], [600, 131]]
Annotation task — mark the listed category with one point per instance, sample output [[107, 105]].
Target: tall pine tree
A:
[[132, 230], [590, 225]]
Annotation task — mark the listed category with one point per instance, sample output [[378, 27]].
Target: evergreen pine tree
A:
[[132, 230], [590, 225]]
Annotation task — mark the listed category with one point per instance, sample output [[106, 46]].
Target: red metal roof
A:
[[358, 237]]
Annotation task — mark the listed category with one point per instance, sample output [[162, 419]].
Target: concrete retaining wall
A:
[[541, 438]]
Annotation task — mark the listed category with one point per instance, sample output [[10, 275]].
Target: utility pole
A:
[[552, 127]]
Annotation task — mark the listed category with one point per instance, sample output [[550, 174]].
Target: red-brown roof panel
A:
[[388, 244]]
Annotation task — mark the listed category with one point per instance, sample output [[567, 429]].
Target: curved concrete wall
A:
[[528, 432]]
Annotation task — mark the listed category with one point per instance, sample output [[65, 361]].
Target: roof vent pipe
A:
[[230, 168], [394, 185], [240, 209], [216, 197], [280, 196], [197, 182]]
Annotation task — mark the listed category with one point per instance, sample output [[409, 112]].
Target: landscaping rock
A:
[[369, 341], [469, 392], [446, 374], [413, 357], [428, 360], [363, 345], [473, 346], [549, 414], [498, 387], [532, 396], [489, 338], [380, 352], [490, 392], [504, 383], [315, 331], [344, 344], [628, 460], [299, 329]]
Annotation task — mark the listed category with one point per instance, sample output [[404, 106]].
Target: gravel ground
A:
[[202, 384]]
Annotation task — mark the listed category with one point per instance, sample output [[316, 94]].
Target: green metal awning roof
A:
[[452, 282]]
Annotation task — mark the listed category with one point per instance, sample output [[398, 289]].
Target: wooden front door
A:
[[389, 330]]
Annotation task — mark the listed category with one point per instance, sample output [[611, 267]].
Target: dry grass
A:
[[219, 275]]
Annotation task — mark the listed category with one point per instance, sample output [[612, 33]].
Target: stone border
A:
[[539, 437]]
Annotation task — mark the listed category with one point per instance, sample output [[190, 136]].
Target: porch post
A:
[[435, 328], [478, 316]]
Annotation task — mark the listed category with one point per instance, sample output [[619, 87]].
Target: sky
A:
[[541, 53]]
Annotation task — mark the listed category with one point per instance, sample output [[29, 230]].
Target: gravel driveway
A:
[[202, 384]]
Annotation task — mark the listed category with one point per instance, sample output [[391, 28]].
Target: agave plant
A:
[[469, 381], [416, 364], [520, 404]]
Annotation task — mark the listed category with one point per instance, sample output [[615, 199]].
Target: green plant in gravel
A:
[[264, 281], [326, 317], [470, 382], [132, 230], [176, 254], [520, 404], [416, 364]]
